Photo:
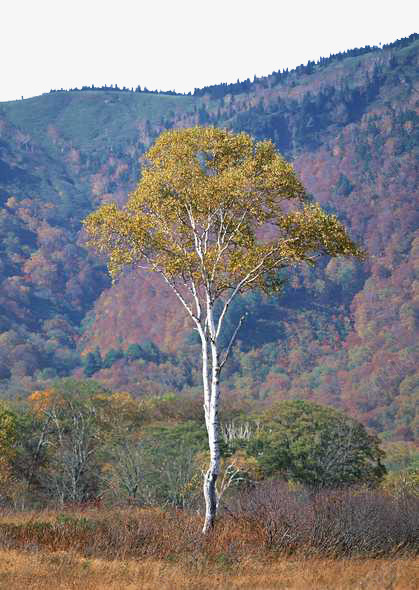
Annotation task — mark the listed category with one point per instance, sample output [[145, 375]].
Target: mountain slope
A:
[[343, 334]]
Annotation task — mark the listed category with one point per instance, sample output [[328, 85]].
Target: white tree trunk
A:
[[209, 332], [213, 428]]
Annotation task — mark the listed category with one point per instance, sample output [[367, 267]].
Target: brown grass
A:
[[268, 521], [252, 549], [66, 570]]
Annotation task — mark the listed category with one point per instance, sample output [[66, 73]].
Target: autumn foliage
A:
[[348, 124]]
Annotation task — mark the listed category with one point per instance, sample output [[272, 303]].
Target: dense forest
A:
[[342, 334]]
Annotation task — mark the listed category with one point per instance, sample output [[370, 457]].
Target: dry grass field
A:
[[155, 549], [29, 570]]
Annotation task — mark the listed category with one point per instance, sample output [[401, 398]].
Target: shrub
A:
[[353, 521]]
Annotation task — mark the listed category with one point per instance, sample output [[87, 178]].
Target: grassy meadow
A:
[[127, 548]]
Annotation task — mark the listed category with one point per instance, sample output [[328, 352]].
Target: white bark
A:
[[213, 427]]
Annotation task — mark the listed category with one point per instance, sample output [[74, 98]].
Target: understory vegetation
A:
[[269, 537], [268, 520], [100, 490], [78, 442]]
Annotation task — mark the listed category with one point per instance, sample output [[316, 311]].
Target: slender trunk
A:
[[205, 379], [213, 428], [210, 490]]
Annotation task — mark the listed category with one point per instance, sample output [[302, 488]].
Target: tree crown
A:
[[217, 211]]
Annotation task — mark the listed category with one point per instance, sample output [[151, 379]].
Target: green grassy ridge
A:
[[93, 119]]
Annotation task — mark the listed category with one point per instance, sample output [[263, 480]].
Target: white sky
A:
[[181, 44]]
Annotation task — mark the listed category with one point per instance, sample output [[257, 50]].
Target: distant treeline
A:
[[220, 90], [115, 87]]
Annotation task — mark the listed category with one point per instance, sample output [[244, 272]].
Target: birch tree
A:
[[215, 214]]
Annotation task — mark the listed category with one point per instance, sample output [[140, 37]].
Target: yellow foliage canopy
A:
[[216, 210]]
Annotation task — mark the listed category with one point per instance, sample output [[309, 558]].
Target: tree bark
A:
[[210, 480], [213, 428], [210, 496]]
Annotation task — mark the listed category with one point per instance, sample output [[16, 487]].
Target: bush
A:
[[263, 522], [350, 522]]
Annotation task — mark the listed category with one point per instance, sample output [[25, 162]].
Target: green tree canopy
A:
[[316, 445]]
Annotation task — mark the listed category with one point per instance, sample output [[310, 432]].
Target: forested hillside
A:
[[341, 334]]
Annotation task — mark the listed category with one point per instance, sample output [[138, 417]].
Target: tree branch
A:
[[180, 297], [232, 340]]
